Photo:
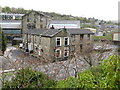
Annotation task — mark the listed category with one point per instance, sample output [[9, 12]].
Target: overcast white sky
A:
[[101, 9]]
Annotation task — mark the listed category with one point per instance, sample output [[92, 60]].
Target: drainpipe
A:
[[27, 41], [33, 43]]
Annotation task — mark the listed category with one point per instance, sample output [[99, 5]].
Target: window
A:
[[81, 36], [33, 26], [41, 19], [66, 41], [34, 20], [41, 26], [58, 41], [88, 36], [17, 17], [3, 17], [35, 15], [66, 53], [58, 53], [27, 19], [28, 26]]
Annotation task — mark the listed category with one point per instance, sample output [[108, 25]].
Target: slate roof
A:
[[52, 32], [43, 32], [79, 31], [40, 13], [35, 31]]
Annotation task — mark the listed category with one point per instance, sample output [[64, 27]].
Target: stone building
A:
[[55, 44], [34, 20]]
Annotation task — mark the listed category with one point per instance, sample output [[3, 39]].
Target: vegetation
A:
[[106, 37], [54, 15], [27, 78], [104, 76], [14, 10], [88, 26]]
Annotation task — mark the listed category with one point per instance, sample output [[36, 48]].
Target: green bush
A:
[[107, 75], [27, 78]]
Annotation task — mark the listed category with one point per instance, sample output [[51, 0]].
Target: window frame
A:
[[67, 53], [56, 41], [56, 53], [81, 36], [41, 25], [67, 41]]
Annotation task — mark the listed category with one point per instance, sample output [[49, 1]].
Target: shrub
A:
[[107, 75], [27, 78]]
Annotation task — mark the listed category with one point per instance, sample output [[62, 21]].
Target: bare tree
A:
[[94, 52]]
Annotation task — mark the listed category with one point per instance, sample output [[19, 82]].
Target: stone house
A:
[[55, 44], [34, 20]]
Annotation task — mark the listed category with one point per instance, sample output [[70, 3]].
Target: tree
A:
[[6, 9], [90, 54], [28, 78], [104, 76]]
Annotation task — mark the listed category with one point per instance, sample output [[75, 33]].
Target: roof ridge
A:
[[59, 30]]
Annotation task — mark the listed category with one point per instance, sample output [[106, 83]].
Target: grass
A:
[[106, 37]]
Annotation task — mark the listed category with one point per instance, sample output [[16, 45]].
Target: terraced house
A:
[[56, 44]]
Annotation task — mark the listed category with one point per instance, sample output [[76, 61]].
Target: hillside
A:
[[58, 16], [53, 15]]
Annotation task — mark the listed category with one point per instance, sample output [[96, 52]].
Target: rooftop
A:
[[43, 32], [79, 31], [52, 32], [40, 13]]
